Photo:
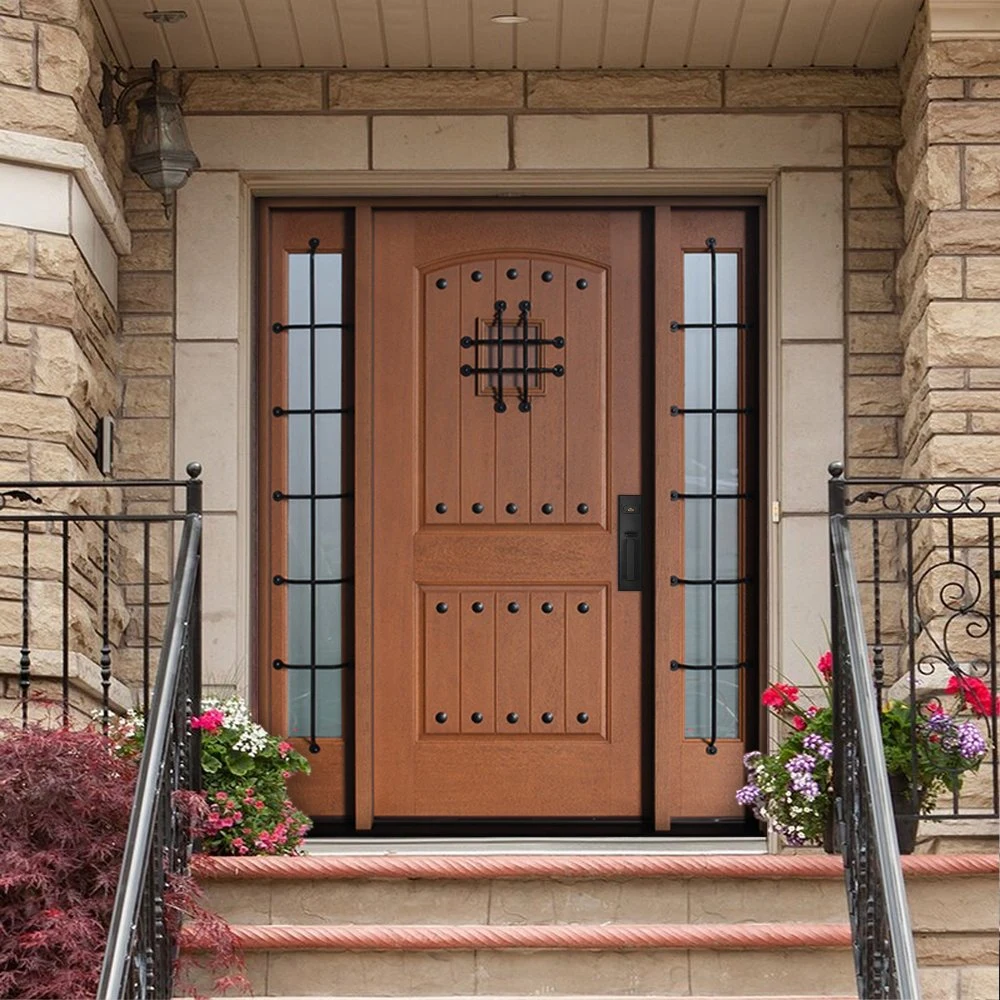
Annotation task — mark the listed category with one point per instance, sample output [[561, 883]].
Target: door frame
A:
[[362, 778]]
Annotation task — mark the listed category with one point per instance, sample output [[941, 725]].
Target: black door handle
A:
[[629, 542]]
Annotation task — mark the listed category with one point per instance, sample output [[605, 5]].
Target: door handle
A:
[[629, 542]]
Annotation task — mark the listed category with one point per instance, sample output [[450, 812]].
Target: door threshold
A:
[[569, 846]]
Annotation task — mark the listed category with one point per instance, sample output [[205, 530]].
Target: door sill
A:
[[569, 846]]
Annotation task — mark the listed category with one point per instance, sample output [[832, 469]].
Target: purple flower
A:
[[970, 741], [750, 759], [748, 795], [801, 763], [817, 744], [939, 722]]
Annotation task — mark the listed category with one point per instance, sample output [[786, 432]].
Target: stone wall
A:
[[949, 275]]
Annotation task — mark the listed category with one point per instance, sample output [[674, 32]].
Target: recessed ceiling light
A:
[[165, 16], [509, 19]]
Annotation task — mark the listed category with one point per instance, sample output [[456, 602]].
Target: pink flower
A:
[[777, 695], [210, 721], [811, 711], [825, 665], [284, 748], [237, 841], [798, 722], [221, 796]]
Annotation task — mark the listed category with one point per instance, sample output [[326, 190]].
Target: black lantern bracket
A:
[[161, 152]]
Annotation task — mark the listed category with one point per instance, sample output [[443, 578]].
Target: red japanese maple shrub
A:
[[65, 800]]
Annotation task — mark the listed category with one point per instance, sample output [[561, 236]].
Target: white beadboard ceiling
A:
[[561, 34]]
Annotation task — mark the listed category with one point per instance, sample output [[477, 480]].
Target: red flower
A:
[[210, 721], [974, 694], [777, 695], [825, 665], [798, 722]]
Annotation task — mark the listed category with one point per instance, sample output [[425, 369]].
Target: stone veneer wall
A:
[[59, 336], [949, 172]]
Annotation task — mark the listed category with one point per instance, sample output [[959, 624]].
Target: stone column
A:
[[948, 279]]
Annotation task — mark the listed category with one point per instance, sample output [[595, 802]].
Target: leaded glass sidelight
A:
[[715, 495], [316, 496]]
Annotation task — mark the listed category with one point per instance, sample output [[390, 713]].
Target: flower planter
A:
[[906, 823]]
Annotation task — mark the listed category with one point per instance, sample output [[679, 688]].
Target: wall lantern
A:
[[161, 152]]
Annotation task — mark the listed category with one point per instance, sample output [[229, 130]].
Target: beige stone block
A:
[[34, 300], [151, 251], [20, 333], [946, 378], [587, 973], [824, 972], [874, 228], [588, 90], [28, 415], [943, 165], [982, 178], [809, 140], [590, 901], [56, 256], [142, 449], [811, 231], [983, 90], [962, 455], [146, 292], [766, 901], [206, 389], [869, 156], [964, 232], [147, 220], [963, 333], [575, 141], [148, 356], [252, 91], [985, 423], [871, 260], [61, 369], [416, 901], [147, 397], [53, 11], [208, 288], [963, 121], [388, 973], [982, 277], [872, 437], [262, 142], [440, 142], [15, 250], [874, 395], [16, 27], [871, 189], [812, 420], [938, 904], [945, 90], [430, 90], [39, 114], [964, 57], [63, 61], [943, 277], [938, 984], [874, 364], [874, 128], [143, 325], [980, 982], [17, 62], [873, 334], [812, 88], [870, 292], [15, 368], [247, 901], [957, 949]]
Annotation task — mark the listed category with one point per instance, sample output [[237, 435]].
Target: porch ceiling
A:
[[561, 34]]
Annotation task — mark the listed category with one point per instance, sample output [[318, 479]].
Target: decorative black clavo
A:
[[520, 344]]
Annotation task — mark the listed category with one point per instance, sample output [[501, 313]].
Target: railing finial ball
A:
[[836, 470], [193, 469]]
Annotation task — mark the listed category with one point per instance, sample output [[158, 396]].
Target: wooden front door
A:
[[508, 404]]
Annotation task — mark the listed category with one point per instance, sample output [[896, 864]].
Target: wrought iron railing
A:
[[142, 940], [884, 955], [85, 568]]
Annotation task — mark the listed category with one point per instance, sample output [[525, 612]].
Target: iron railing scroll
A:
[[142, 946], [884, 954]]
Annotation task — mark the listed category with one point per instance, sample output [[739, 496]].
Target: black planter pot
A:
[[902, 807]]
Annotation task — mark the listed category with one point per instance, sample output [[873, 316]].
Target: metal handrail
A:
[[876, 780], [133, 880]]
